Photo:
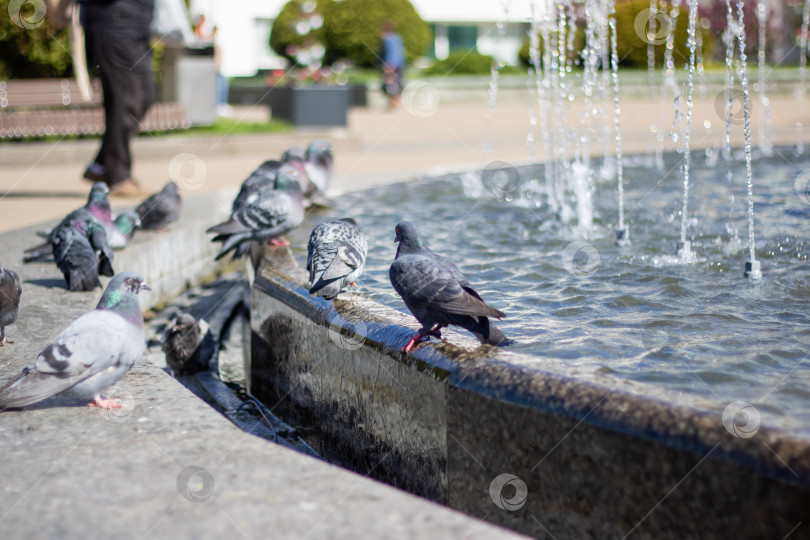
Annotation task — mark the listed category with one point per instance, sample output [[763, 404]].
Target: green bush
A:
[[283, 33], [631, 49], [353, 29], [573, 56], [462, 63], [32, 53]]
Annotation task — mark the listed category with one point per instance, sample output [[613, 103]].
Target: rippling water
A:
[[582, 306]]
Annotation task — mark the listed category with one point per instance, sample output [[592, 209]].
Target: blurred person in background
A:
[[117, 45]]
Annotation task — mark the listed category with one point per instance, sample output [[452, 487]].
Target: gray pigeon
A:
[[336, 255], [10, 291], [160, 209], [267, 214], [295, 157], [319, 166], [437, 293], [81, 252], [91, 354], [124, 228], [97, 206], [263, 177], [189, 345]]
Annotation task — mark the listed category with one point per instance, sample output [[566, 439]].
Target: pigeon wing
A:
[[87, 346]]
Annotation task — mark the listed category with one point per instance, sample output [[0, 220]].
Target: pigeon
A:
[[97, 206], [336, 255], [189, 345], [437, 293], [264, 176], [295, 157], [125, 225], [81, 252], [91, 354], [161, 208], [10, 291], [319, 165], [267, 213]]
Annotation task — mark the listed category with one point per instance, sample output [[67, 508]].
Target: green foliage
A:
[[631, 48], [353, 29], [28, 53], [284, 37], [464, 63], [573, 56]]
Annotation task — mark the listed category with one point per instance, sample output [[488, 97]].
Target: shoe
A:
[[95, 172], [127, 188]]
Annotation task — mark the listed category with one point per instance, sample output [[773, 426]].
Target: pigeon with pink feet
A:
[[91, 354], [269, 212]]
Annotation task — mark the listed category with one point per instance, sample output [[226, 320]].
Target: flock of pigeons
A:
[[98, 348]]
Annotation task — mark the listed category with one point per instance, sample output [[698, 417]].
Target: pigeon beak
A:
[[144, 287]]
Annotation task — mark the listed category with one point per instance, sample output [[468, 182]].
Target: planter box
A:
[[310, 106]]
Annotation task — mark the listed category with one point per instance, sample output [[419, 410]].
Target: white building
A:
[[244, 29]]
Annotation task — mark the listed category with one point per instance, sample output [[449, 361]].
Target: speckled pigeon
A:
[[267, 214], [437, 293], [263, 177], [91, 354], [160, 209], [97, 206], [189, 345], [319, 165], [124, 228], [10, 292], [336, 255]]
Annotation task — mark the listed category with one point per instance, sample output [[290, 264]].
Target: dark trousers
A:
[[117, 34]]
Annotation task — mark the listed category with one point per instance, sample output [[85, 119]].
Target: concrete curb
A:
[[167, 465], [593, 457]]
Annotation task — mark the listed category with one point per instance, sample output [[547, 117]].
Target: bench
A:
[[42, 107]]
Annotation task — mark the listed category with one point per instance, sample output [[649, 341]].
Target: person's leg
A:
[[121, 50]]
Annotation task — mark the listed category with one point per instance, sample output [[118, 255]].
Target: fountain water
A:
[[765, 145], [802, 75], [495, 71], [728, 37], [752, 266], [684, 249], [622, 233]]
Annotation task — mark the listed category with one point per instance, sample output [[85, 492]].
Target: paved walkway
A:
[[40, 181]]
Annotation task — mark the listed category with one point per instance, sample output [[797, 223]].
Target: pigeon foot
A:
[[278, 242], [419, 336], [5, 340], [102, 403]]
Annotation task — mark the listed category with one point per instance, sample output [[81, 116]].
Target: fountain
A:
[[624, 357]]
